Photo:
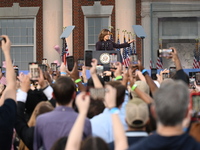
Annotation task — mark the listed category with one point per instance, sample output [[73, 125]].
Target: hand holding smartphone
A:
[[54, 68], [34, 71]]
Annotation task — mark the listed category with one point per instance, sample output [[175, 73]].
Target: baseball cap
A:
[[137, 113], [143, 86]]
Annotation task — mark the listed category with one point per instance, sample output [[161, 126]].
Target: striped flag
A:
[[125, 55], [196, 64], [159, 64]]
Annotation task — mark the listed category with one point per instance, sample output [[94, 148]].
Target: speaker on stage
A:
[[105, 58]]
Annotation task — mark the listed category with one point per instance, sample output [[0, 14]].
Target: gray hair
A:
[[171, 102]]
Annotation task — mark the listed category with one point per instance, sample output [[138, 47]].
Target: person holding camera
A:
[[105, 43]]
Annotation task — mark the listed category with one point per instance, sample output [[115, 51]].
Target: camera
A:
[[164, 52]]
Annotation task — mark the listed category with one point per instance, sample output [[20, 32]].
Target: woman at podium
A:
[[105, 43]]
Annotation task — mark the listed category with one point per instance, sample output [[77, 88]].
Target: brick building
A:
[[35, 26]]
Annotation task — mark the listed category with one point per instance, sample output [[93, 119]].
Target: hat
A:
[[137, 113], [143, 86]]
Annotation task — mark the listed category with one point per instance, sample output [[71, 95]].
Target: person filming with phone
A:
[[105, 43]]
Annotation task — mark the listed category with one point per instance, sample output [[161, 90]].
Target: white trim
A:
[[97, 10], [136, 134]]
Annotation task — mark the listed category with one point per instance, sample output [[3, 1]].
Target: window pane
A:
[[95, 25], [21, 33]]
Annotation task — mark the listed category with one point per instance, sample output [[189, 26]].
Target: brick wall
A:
[[39, 21], [78, 21]]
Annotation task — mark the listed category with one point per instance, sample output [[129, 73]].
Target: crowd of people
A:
[[64, 111]]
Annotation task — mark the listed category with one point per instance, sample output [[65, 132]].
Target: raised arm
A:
[[97, 83], [118, 129], [10, 91], [75, 136]]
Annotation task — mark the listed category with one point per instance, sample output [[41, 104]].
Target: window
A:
[[21, 34], [94, 26]]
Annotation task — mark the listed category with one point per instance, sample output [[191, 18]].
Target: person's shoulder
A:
[[45, 116]]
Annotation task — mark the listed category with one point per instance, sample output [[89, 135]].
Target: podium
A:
[[107, 58]]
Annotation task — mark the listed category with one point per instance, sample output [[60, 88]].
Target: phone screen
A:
[[34, 70], [97, 93], [197, 78], [153, 73], [44, 61], [172, 71], [16, 70], [70, 63], [196, 103], [43, 67], [80, 64], [165, 76], [54, 67], [88, 58]]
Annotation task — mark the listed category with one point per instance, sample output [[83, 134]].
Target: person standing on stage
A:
[[105, 43]]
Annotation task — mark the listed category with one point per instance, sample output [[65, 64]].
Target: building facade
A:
[[35, 26]]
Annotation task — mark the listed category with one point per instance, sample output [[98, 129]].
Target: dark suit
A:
[[109, 45], [23, 130]]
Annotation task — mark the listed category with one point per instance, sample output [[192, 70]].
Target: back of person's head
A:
[[94, 143], [41, 108], [63, 90], [90, 82], [96, 107], [137, 113], [120, 91], [103, 33], [143, 86], [60, 144], [171, 102], [186, 78]]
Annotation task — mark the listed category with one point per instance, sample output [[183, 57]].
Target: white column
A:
[[52, 28], [67, 21], [146, 23], [125, 16]]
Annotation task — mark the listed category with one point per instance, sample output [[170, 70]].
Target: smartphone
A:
[[134, 59], [44, 61], [153, 73], [97, 93], [197, 78], [172, 71], [191, 84], [16, 70], [165, 76], [34, 71], [113, 60], [164, 52], [80, 63], [70, 62], [195, 102], [88, 58], [54, 67], [99, 69], [43, 67]]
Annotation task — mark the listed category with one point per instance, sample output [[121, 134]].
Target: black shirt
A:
[[8, 113], [109, 45], [158, 142]]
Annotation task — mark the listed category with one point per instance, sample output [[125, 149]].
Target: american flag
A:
[[125, 57], [159, 64], [196, 64]]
